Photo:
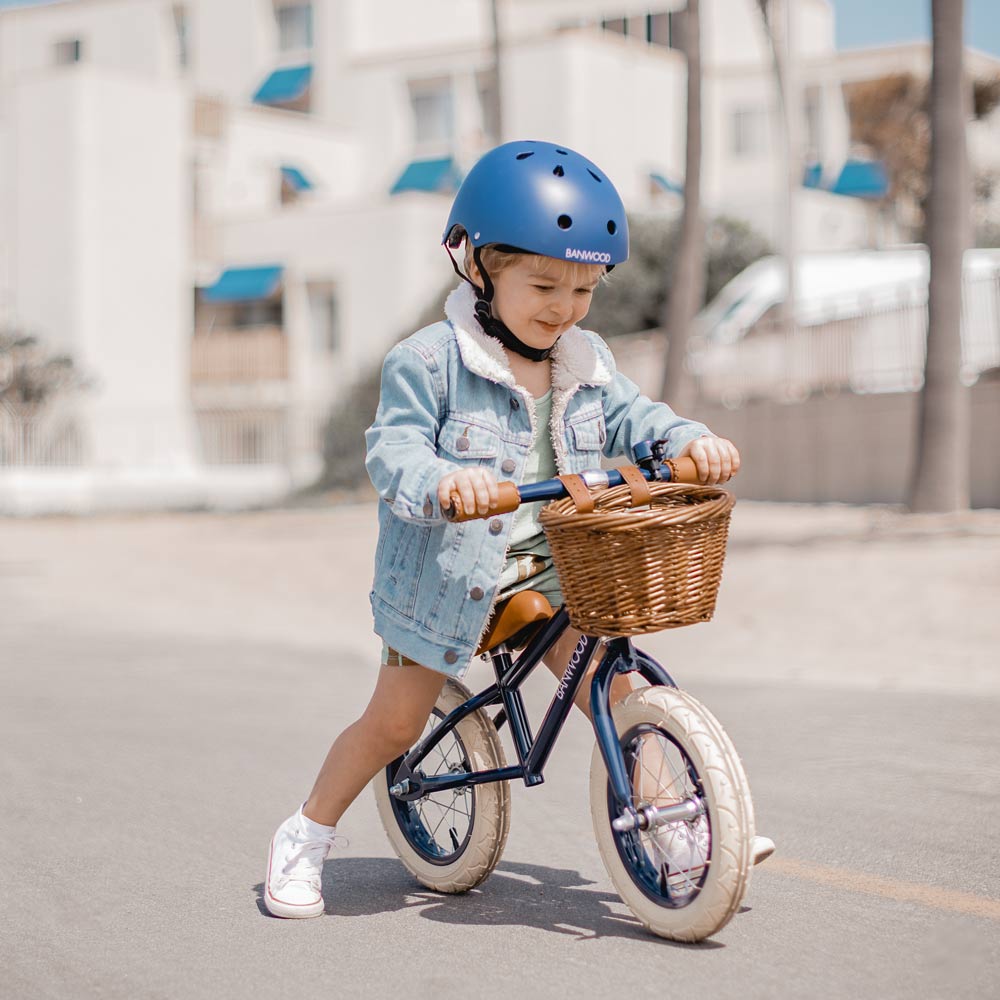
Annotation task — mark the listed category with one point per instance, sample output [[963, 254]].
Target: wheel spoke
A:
[[661, 774], [439, 825]]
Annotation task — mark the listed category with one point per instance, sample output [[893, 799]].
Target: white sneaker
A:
[[684, 846], [763, 848], [293, 885]]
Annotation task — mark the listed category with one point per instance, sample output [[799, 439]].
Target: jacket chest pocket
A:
[[587, 431], [464, 441]]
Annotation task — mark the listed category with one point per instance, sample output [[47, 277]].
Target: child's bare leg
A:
[[558, 658], [391, 724], [655, 770]]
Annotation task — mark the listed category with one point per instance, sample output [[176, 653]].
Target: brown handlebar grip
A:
[[509, 500], [683, 470]]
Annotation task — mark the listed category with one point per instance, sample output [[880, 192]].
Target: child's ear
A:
[[473, 272]]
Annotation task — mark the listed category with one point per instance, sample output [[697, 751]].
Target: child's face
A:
[[540, 298]]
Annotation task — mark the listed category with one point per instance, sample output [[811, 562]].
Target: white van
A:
[[860, 324]]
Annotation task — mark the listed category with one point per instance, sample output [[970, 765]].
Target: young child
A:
[[507, 387]]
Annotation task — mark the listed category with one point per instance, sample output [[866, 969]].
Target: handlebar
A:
[[674, 470]]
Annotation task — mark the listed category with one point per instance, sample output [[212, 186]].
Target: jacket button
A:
[[496, 526], [462, 444], [477, 593], [451, 656], [514, 404], [508, 466], [428, 508]]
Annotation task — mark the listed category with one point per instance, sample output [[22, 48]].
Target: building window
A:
[[814, 124], [433, 112], [262, 312], [749, 132], [635, 27], [323, 319], [294, 184], [616, 25], [182, 35], [289, 88], [486, 90], [666, 29], [295, 26], [69, 51]]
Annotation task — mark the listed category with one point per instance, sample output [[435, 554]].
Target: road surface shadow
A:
[[557, 900]]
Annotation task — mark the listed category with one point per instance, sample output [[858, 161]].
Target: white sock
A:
[[312, 829]]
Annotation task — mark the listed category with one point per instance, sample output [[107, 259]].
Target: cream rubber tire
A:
[[687, 724], [482, 846]]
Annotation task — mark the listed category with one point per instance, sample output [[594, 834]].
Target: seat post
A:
[[513, 705]]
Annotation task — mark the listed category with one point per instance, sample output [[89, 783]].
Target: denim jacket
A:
[[449, 400]]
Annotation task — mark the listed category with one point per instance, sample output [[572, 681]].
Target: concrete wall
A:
[[610, 99], [384, 258], [242, 179], [848, 448], [135, 37], [851, 448], [101, 256]]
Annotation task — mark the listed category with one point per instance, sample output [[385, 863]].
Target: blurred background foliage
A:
[[891, 117], [32, 375]]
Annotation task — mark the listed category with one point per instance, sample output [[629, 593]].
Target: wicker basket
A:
[[628, 571]]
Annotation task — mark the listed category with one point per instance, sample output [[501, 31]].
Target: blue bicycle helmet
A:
[[535, 197], [543, 199]]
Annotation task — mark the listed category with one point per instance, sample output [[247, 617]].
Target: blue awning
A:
[[862, 179], [813, 175], [429, 175], [244, 284], [284, 85], [665, 184], [295, 179]]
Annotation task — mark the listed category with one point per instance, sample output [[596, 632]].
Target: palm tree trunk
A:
[[495, 113], [941, 479], [687, 289]]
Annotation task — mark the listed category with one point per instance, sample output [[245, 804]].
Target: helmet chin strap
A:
[[493, 326]]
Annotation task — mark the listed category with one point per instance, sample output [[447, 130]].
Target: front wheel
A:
[[451, 840], [683, 880]]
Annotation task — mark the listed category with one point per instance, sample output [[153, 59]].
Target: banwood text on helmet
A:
[[536, 197]]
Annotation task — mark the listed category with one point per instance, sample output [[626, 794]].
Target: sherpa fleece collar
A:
[[575, 362]]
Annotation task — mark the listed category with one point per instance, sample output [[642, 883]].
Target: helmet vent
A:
[[612, 228], [592, 174], [564, 222], [558, 171], [524, 156], [562, 152]]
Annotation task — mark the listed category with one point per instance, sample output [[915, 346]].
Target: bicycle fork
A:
[[623, 658]]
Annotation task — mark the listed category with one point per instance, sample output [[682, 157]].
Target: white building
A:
[[226, 210]]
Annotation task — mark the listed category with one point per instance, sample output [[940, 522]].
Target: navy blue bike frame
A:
[[533, 751]]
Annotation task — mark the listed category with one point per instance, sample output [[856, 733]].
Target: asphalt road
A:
[[170, 684]]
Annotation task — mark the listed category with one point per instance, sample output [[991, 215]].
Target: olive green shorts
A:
[[546, 583]]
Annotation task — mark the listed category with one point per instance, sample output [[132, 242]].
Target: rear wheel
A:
[[451, 840], [684, 880]]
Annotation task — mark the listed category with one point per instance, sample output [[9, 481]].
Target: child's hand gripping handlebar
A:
[[673, 470]]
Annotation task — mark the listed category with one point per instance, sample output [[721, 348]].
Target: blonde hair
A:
[[495, 261]]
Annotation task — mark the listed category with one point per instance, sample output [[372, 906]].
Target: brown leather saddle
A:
[[515, 620]]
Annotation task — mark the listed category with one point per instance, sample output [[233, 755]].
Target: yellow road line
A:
[[889, 888]]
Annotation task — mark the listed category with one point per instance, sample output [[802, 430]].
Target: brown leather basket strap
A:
[[578, 492], [641, 493]]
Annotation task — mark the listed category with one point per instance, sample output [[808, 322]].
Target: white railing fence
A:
[[42, 440], [239, 355], [881, 349], [139, 439]]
